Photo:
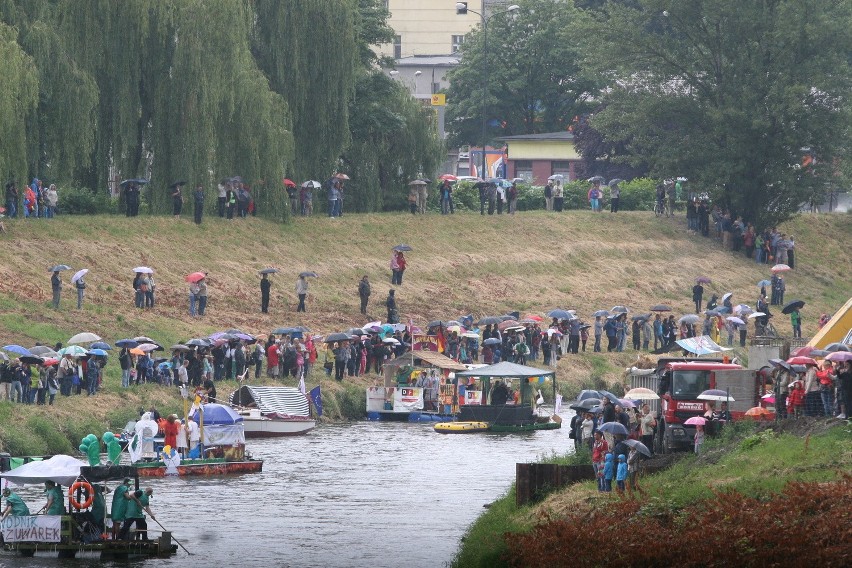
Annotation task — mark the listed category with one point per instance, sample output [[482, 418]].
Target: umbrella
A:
[[793, 306], [447, 177], [768, 398], [42, 351], [137, 351], [178, 183], [614, 182], [689, 319], [613, 428], [489, 320], [100, 345], [601, 314], [341, 176], [308, 274], [780, 268], [268, 271], [147, 347], [727, 295], [58, 268], [503, 326], [780, 363], [417, 182], [801, 360], [73, 350], [724, 310], [98, 352], [715, 394], [436, 323], [703, 280], [832, 347], [556, 177], [402, 248], [612, 398], [754, 315], [50, 361], [391, 340], [819, 353], [143, 339], [735, 320], [585, 405], [696, 421], [641, 393], [661, 308], [470, 335], [138, 181], [312, 184], [127, 343], [757, 411], [79, 274], [31, 360], [804, 351], [534, 317], [641, 317], [143, 270], [596, 179], [589, 393], [740, 308], [84, 337], [237, 179], [839, 356], [550, 331], [199, 342], [639, 447], [560, 314], [337, 337], [195, 277], [763, 283], [619, 310], [179, 347], [491, 341], [289, 182], [626, 403]]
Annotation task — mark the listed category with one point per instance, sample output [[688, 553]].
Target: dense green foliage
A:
[[198, 90]]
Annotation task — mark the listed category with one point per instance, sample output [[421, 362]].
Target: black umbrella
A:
[[437, 323], [283, 330], [199, 342], [127, 343], [402, 248], [642, 317], [137, 181], [178, 183], [661, 308], [610, 396], [831, 347], [337, 337], [586, 404], [587, 393], [639, 446], [31, 359], [309, 274], [793, 306], [268, 271], [489, 320]]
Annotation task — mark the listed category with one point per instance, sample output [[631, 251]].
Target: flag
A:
[[442, 341], [134, 448], [316, 397], [302, 384]]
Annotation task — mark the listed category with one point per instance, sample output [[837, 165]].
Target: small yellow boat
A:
[[461, 427]]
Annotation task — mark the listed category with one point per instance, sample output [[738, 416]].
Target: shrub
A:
[[84, 201]]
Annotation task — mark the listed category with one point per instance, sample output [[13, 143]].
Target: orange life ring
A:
[[86, 488]]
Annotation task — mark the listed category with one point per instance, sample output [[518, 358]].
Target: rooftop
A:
[[561, 135]]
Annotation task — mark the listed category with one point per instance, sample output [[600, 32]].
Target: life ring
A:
[[86, 488]]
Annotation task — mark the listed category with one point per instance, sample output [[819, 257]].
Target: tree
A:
[[727, 93], [534, 79], [18, 99]]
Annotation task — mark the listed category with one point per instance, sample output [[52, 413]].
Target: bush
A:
[[84, 201]]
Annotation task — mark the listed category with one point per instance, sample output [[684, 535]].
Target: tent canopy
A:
[[279, 400], [431, 357], [61, 469], [215, 414], [505, 369]]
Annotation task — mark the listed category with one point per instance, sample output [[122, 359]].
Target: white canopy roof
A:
[[64, 470]]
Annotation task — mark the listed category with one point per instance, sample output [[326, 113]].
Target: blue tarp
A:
[[701, 345]]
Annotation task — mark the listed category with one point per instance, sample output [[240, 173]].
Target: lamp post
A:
[[461, 8]]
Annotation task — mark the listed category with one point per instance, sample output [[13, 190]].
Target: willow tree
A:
[[18, 100], [308, 50]]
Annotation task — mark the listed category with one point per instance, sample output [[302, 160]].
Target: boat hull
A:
[[207, 467], [274, 428]]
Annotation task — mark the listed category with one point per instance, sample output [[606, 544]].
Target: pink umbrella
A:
[[780, 268], [696, 421], [839, 356]]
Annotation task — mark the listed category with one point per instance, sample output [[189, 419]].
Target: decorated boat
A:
[[83, 530], [272, 411]]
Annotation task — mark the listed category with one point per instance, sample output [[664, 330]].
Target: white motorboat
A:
[[272, 411]]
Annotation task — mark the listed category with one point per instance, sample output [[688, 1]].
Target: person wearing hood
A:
[[621, 473], [608, 472], [712, 302]]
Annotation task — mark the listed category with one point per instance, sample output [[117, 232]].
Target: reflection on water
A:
[[363, 494]]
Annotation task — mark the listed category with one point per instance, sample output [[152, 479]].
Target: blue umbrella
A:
[[98, 352], [128, 343], [218, 414], [491, 341], [610, 396], [101, 345], [560, 314], [613, 428], [19, 350], [763, 283]]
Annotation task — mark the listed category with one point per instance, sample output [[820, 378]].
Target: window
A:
[[523, 169], [397, 47], [562, 167], [457, 41]]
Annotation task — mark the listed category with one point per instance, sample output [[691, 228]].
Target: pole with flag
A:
[[316, 398]]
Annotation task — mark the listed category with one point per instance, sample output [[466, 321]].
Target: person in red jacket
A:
[[272, 360], [171, 427], [599, 450]]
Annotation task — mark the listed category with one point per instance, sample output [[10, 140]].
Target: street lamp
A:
[[416, 75], [461, 8]]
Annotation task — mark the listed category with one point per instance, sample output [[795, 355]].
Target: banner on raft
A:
[[472, 398], [423, 342], [32, 528], [396, 399]]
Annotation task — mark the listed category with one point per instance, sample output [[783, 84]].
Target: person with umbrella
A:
[[198, 203], [397, 266], [177, 198], [364, 292], [614, 195], [697, 295], [301, 292], [56, 287], [265, 287], [796, 322], [202, 295], [334, 196]]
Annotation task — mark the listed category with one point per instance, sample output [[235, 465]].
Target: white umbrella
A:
[[756, 315], [312, 184], [84, 337], [727, 295], [148, 347], [735, 320], [143, 270], [391, 340], [79, 274], [556, 177]]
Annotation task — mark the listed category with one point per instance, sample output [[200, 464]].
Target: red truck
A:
[[680, 381]]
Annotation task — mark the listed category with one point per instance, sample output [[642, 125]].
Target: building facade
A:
[[536, 157]]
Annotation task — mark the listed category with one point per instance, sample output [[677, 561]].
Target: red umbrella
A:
[[758, 412], [195, 276], [780, 268], [801, 361], [448, 177], [802, 351], [534, 317], [289, 182], [508, 323], [341, 176]]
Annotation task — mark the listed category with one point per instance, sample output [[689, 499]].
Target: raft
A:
[[461, 427], [526, 427]]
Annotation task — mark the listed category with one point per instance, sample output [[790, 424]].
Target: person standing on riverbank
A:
[[364, 292], [301, 292], [56, 288], [198, 202], [265, 287]]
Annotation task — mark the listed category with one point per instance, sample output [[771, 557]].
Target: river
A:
[[370, 494]]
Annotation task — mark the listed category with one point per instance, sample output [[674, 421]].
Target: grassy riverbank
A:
[[752, 460], [464, 263]]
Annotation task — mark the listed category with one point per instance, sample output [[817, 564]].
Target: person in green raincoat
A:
[[55, 499], [133, 514], [15, 506], [98, 510], [119, 504]]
